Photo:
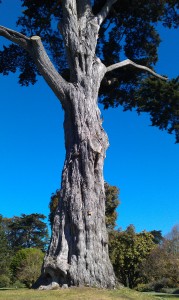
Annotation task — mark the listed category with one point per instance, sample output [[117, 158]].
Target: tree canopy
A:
[[130, 30], [26, 231]]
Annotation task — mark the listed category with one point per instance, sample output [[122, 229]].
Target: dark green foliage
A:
[[21, 61], [134, 35], [112, 202], [157, 236], [162, 101], [27, 231], [131, 31]]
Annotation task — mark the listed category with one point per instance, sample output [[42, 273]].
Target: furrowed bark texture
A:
[[78, 252]]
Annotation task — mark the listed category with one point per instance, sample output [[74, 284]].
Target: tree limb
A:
[[130, 62], [15, 37], [56, 82], [105, 11], [36, 50]]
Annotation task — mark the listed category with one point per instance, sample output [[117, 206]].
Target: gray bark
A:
[[78, 252]]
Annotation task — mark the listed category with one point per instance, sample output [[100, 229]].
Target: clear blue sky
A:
[[142, 161]]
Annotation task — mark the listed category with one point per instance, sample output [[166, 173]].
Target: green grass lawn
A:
[[81, 294], [165, 296]]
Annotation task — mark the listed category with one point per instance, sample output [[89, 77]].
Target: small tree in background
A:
[[112, 202], [128, 250], [173, 240], [161, 269], [26, 265], [54, 200]]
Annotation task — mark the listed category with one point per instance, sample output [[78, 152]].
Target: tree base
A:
[[49, 282]]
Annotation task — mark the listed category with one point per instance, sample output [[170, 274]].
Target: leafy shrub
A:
[[18, 285], [26, 265], [4, 281], [160, 285], [163, 285], [144, 287]]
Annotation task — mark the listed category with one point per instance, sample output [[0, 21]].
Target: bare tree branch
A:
[[105, 11], [15, 37], [130, 62], [36, 50], [56, 82]]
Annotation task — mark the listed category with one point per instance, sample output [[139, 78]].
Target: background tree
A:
[[111, 203], [5, 257], [157, 236], [26, 265], [120, 28], [26, 231], [173, 240], [128, 250], [53, 205], [161, 268]]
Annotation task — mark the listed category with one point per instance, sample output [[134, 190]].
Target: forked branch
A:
[[36, 50], [128, 62], [105, 11]]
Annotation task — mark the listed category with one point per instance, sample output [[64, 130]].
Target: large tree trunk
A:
[[78, 252]]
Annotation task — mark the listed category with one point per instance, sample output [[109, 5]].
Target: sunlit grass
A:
[[77, 294]]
